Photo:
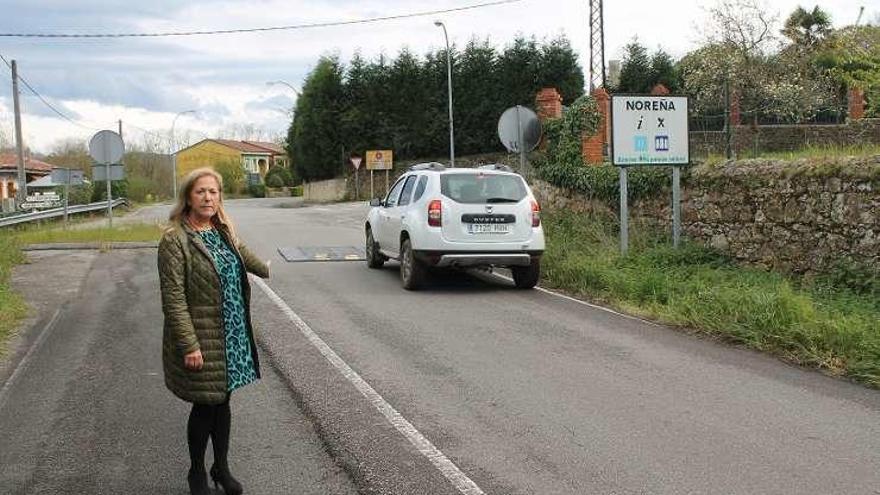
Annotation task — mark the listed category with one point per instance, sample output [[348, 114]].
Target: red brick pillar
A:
[[549, 104], [856, 101], [593, 147], [735, 109], [659, 90]]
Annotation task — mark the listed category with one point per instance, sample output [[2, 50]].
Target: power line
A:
[[261, 29], [38, 95]]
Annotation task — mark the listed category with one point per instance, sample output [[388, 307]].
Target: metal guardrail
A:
[[58, 212]]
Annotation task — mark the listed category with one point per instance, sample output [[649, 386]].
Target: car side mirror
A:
[[376, 202]]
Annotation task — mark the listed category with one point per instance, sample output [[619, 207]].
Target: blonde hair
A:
[[181, 209]]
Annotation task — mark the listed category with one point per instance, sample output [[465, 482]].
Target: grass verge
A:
[[819, 323], [134, 232], [12, 307]]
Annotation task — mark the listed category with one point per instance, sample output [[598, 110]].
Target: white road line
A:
[[584, 303], [23, 364], [437, 458]]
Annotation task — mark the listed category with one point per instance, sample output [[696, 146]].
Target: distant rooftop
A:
[[9, 161], [248, 146]]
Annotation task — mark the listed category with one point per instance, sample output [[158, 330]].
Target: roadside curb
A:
[[60, 246]]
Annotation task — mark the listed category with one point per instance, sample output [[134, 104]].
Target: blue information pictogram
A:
[[661, 143]]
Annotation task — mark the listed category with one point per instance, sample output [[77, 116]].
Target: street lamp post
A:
[[174, 154], [449, 84]]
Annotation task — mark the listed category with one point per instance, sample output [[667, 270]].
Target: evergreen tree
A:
[[403, 104], [476, 107], [356, 126], [437, 104], [663, 72], [406, 105], [518, 68], [314, 136], [635, 71], [559, 68]]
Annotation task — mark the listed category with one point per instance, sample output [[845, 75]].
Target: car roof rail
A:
[[497, 166], [428, 166]]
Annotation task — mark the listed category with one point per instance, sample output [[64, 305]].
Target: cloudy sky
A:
[[147, 81]]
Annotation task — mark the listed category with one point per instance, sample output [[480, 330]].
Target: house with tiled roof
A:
[[33, 168], [253, 156]]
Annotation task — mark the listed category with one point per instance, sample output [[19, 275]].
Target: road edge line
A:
[[584, 303], [446, 467], [23, 364]]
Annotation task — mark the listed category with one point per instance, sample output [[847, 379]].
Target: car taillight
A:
[[435, 214], [536, 214]]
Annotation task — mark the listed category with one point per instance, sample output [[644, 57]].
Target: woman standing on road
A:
[[208, 344]]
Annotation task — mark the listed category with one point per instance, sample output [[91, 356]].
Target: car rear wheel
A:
[[375, 259], [526, 277], [413, 273]]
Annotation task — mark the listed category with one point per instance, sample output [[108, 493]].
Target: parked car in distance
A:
[[438, 217]]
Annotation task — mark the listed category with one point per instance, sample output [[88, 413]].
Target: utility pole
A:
[[597, 45], [120, 127], [21, 193]]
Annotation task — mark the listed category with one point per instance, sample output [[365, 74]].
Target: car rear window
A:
[[483, 188]]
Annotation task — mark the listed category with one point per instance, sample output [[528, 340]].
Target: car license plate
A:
[[488, 228]]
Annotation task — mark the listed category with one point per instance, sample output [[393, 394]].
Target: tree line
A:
[[402, 104]]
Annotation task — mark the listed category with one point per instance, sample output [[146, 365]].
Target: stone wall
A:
[[325, 191], [798, 217]]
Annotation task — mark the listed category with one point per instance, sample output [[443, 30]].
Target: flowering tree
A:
[[771, 80]]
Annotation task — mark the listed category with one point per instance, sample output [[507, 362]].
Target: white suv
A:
[[435, 216]]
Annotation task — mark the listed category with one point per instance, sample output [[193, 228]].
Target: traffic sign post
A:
[[107, 147], [356, 163], [649, 130], [67, 177], [380, 160], [519, 130]]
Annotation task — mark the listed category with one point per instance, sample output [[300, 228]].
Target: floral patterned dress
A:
[[240, 369]]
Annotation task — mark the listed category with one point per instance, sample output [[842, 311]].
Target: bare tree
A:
[[71, 152], [744, 25], [244, 132]]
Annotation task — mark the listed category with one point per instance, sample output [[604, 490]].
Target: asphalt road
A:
[[468, 387]]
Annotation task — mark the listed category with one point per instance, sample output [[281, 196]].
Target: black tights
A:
[[209, 421]]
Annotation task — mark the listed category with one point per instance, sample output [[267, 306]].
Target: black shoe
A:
[[198, 482], [224, 478]]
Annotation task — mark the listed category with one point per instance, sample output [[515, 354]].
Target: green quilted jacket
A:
[[192, 305]]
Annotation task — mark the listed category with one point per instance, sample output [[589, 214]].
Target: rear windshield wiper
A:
[[502, 200]]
